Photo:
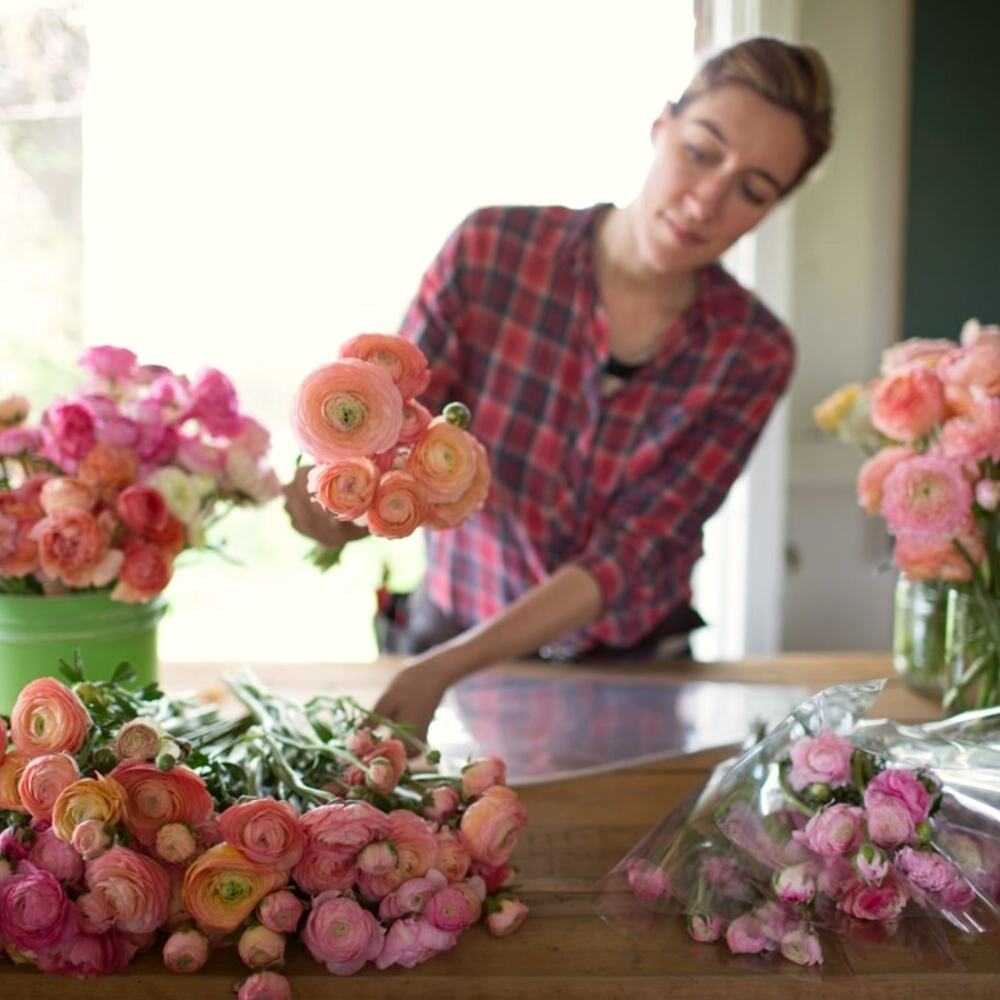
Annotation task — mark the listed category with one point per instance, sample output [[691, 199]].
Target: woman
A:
[[618, 378]]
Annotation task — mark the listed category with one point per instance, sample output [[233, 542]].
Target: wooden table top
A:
[[579, 829]]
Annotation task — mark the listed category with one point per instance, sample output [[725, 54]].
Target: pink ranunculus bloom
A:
[[836, 829], [35, 912], [142, 509], [876, 902], [648, 881], [118, 430], [478, 775], [416, 851], [265, 986], [941, 559], [403, 360], [87, 956], [65, 493], [411, 941], [890, 823], [454, 907], [265, 830], [721, 873], [824, 760], [71, 430], [252, 437], [795, 884], [185, 951], [135, 887], [73, 549], [914, 351], [91, 838], [872, 475], [43, 779], [927, 869], [93, 913], [55, 856], [281, 911], [399, 506], [776, 919], [988, 494], [502, 876], [261, 948], [745, 936], [801, 947], [836, 876], [973, 332], [903, 785], [926, 498], [441, 516], [344, 828], [377, 858], [411, 896], [347, 408], [158, 797], [973, 437], [214, 403], [871, 864], [908, 403], [701, 927], [48, 718], [346, 487], [416, 420], [175, 843], [971, 374], [341, 934], [109, 362], [18, 549], [506, 919], [442, 803], [390, 756], [452, 859], [321, 871], [145, 571], [490, 826], [196, 455], [20, 441]]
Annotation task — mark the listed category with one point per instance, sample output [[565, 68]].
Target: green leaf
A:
[[124, 674], [72, 672]]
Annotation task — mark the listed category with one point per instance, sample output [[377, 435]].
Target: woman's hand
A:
[[413, 696], [310, 519]]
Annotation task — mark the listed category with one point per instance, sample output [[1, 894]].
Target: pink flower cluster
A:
[[99, 867], [385, 461], [117, 478]]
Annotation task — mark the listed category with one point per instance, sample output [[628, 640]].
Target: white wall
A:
[[848, 233]]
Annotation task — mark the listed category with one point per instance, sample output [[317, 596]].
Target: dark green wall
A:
[[953, 204]]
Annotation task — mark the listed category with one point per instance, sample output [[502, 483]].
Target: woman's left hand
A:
[[413, 696]]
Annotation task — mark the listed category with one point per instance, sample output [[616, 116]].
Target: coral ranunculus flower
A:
[[11, 769], [265, 830], [416, 419], [941, 560], [109, 468], [145, 572], [444, 461], [223, 887], [926, 498], [135, 888], [66, 493], [872, 475], [399, 506], [907, 404], [48, 717], [73, 548], [490, 826], [347, 408], [143, 510], [43, 780], [345, 488], [450, 515], [100, 798], [404, 361], [158, 797]]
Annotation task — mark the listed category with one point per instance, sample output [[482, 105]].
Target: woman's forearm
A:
[[569, 599]]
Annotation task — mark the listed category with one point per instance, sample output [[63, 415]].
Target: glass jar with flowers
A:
[[933, 473], [99, 497]]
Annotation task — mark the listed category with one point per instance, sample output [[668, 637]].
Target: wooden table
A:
[[579, 829]]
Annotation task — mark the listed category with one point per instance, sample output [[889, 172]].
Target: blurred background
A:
[[247, 184]]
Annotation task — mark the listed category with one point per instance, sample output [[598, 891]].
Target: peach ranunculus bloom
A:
[[346, 487], [73, 549], [11, 769], [973, 332], [915, 351], [109, 468], [416, 419], [223, 887], [344, 828], [319, 870], [135, 887], [43, 780], [416, 851], [453, 859], [265, 830], [450, 515], [490, 826], [907, 404], [444, 461], [63, 493], [975, 435], [47, 718], [940, 559], [393, 753], [156, 797], [100, 798], [970, 374], [347, 408], [399, 506], [404, 361], [926, 498], [872, 475]]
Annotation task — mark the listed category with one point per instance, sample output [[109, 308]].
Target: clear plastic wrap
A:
[[832, 832]]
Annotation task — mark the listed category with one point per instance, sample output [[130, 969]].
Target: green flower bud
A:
[[820, 792], [457, 414], [165, 761], [105, 760], [923, 832]]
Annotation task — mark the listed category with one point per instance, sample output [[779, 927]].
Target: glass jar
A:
[[918, 635], [972, 645]]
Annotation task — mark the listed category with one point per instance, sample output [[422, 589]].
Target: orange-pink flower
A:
[[145, 572], [490, 826], [100, 798], [66, 493], [399, 506], [416, 419], [872, 475], [11, 769], [971, 374], [73, 548], [404, 361], [907, 404], [940, 559], [453, 859], [444, 461], [109, 468], [416, 851], [345, 409], [143, 509], [974, 435], [223, 887], [345, 488], [156, 797], [393, 753], [135, 888], [319, 870], [450, 515], [43, 780], [915, 350], [47, 718], [265, 830], [926, 498]]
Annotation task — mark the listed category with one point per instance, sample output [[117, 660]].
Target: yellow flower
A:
[[97, 798], [830, 413]]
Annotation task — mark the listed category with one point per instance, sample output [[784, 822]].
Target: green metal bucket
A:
[[37, 632]]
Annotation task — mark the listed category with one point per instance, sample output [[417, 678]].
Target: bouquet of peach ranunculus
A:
[[120, 476], [129, 821], [830, 831], [930, 425], [384, 460]]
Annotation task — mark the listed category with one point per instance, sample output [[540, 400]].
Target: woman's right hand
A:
[[310, 519]]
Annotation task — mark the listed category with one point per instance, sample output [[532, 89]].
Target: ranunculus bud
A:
[[185, 951], [442, 803], [261, 948], [92, 838], [795, 884], [505, 915], [704, 927], [377, 858], [923, 832], [457, 414], [138, 741], [280, 911], [872, 864], [820, 792], [104, 760], [176, 843], [381, 775], [481, 774], [265, 986]]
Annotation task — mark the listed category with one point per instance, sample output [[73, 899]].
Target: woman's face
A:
[[719, 166]]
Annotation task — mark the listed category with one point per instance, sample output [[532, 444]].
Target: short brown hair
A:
[[793, 77]]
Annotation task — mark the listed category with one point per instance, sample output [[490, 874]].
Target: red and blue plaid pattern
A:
[[509, 318]]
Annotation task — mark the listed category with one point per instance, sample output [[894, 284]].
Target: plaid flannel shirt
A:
[[509, 317]]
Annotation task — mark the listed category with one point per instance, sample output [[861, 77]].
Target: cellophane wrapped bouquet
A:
[[830, 832], [130, 820], [384, 460], [121, 475]]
